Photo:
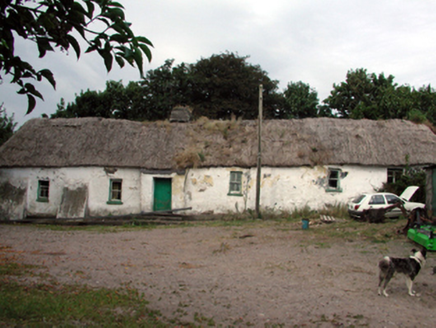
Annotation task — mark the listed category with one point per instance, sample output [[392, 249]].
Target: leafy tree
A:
[[369, 96], [300, 101], [7, 125], [363, 95], [424, 107], [133, 107], [88, 103], [325, 111], [116, 101], [218, 87], [50, 24], [166, 87], [225, 85]]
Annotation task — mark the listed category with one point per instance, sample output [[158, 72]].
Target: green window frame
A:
[[334, 180], [43, 191], [115, 191], [235, 185]]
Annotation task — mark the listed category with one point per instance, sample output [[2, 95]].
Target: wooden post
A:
[[259, 153]]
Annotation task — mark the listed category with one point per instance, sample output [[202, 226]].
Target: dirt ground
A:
[[236, 276]]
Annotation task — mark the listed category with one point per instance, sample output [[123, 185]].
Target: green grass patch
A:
[[14, 269], [48, 304], [70, 306]]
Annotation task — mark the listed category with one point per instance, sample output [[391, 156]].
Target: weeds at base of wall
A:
[[345, 228], [334, 210]]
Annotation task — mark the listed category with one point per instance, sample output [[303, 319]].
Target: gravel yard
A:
[[251, 275]]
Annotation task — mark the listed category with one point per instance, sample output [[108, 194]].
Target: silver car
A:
[[381, 200]]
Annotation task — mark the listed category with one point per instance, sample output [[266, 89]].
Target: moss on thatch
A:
[[206, 143]]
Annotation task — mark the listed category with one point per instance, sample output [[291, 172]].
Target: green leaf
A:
[[27, 75], [31, 103], [137, 55], [119, 38], [48, 75], [77, 7], [43, 46], [118, 28], [146, 51], [116, 4], [22, 91], [90, 12], [120, 61], [30, 88], [73, 42], [123, 28], [114, 14], [143, 39], [90, 49], [107, 57]]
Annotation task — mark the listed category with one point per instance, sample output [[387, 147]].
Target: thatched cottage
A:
[[69, 168]]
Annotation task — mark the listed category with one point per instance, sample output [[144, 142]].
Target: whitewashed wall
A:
[[205, 190], [95, 179], [281, 188]]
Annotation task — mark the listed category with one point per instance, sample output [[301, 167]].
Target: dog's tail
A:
[[384, 264]]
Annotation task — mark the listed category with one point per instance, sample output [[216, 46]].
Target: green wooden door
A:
[[162, 194]]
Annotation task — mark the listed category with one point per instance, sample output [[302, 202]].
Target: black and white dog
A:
[[408, 266]]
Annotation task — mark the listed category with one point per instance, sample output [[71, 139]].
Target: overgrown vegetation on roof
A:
[[213, 143]]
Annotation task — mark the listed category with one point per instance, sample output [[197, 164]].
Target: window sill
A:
[[114, 202], [42, 200], [334, 190], [234, 194]]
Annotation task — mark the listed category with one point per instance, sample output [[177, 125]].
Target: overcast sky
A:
[[313, 41]]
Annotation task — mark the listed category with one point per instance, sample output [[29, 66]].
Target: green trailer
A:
[[423, 235]]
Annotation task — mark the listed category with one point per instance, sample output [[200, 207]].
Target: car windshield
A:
[[358, 199]]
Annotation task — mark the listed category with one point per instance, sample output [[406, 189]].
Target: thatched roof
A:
[[205, 143]]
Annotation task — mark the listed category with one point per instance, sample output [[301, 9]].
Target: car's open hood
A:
[[409, 192]]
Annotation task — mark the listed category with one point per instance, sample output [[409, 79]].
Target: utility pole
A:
[[259, 152]]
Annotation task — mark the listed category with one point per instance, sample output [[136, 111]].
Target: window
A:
[[43, 190], [394, 175], [115, 189], [235, 183], [377, 200], [334, 180], [392, 199]]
